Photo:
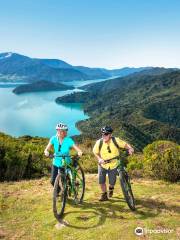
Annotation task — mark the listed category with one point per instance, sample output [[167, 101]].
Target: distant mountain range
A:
[[18, 68]]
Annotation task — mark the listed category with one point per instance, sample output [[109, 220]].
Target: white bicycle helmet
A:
[[61, 126]]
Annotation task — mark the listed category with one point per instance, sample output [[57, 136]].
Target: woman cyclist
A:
[[62, 146]]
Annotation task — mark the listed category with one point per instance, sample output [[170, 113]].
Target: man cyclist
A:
[[62, 145], [107, 148]]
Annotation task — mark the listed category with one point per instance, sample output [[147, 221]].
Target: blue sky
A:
[[95, 33]]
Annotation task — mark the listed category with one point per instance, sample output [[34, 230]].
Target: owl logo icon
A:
[[139, 231]]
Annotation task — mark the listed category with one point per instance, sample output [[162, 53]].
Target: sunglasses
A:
[[105, 134], [59, 148], [109, 150]]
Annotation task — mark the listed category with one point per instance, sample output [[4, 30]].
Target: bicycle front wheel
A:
[[59, 196], [79, 184], [126, 189]]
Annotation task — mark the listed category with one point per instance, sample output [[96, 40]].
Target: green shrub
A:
[[89, 164], [135, 165], [162, 160], [22, 158]]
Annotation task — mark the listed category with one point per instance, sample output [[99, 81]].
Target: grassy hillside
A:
[[26, 212]]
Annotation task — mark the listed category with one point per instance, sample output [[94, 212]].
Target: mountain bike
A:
[[70, 182], [125, 183]]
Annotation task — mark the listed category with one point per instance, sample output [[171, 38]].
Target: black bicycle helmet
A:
[[106, 130]]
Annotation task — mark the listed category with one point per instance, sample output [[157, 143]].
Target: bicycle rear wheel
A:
[[79, 184], [59, 196], [126, 189]]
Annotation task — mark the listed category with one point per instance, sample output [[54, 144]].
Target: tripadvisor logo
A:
[[139, 231]]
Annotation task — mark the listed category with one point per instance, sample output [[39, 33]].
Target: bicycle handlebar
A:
[[63, 156], [109, 160]]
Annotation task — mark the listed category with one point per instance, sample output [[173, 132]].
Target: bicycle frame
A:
[[71, 172]]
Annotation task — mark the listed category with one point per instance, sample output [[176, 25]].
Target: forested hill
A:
[[125, 82], [41, 86], [140, 107]]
